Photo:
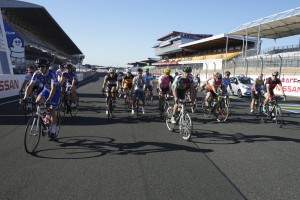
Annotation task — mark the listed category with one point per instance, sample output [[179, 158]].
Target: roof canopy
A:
[[176, 33], [279, 25], [217, 41], [36, 20]]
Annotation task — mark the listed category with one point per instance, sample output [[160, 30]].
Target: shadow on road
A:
[[83, 147]]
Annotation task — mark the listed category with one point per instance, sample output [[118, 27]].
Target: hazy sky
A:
[[115, 32]]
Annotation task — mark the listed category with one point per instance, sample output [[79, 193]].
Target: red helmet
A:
[[69, 66]]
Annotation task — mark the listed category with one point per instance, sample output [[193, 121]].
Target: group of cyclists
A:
[[49, 84], [184, 86]]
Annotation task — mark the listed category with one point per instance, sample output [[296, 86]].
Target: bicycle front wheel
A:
[[278, 116], [32, 134], [170, 125], [186, 126], [221, 112]]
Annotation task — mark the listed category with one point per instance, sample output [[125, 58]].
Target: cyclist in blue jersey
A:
[[139, 86], [70, 82], [148, 80], [50, 92], [226, 82], [258, 88]]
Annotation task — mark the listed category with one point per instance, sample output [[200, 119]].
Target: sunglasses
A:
[[41, 66]]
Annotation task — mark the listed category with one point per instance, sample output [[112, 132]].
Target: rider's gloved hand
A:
[[22, 101]]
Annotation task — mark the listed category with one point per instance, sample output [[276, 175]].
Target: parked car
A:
[[241, 85]]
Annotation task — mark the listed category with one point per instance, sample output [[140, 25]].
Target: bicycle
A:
[[183, 120], [216, 106], [148, 97], [128, 101], [110, 106], [38, 125], [136, 104], [164, 105], [65, 104], [273, 111]]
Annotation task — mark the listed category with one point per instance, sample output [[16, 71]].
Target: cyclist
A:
[[30, 71], [120, 78], [139, 85], [271, 83], [148, 79], [127, 82], [164, 84], [179, 86], [257, 89], [226, 82], [60, 71], [70, 82], [111, 84], [213, 85], [50, 92]]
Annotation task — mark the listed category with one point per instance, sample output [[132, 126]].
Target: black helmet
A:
[[227, 73], [61, 66], [42, 61], [218, 75], [187, 69], [139, 69]]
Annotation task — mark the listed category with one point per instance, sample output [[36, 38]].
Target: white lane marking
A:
[[8, 102]]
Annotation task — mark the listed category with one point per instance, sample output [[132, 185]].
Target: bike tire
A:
[[169, 113], [58, 124], [222, 112], [206, 110], [186, 126], [33, 133], [137, 105], [278, 116], [110, 109]]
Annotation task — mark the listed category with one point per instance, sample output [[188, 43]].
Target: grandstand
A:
[[41, 33]]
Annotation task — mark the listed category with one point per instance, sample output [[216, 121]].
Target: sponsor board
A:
[[10, 85]]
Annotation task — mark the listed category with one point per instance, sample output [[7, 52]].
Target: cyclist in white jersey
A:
[[139, 86], [60, 71]]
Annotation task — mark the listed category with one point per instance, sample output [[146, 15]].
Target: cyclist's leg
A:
[[253, 99]]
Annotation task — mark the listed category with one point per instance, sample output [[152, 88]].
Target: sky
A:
[[116, 32]]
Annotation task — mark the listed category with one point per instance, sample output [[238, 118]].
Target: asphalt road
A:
[[129, 158]]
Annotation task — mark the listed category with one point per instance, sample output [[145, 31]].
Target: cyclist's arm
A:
[[24, 84], [268, 89], [52, 91], [62, 80], [104, 84], [29, 89]]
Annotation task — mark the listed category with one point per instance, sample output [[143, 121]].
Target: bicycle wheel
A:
[[169, 113], [278, 116], [110, 108], [137, 106], [206, 109], [73, 111], [221, 112], [186, 126], [58, 124], [32, 134]]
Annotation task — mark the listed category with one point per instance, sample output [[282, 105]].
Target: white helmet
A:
[[111, 70], [128, 70]]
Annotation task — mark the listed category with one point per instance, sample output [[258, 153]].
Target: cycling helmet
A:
[[176, 73], [69, 66], [187, 69], [140, 70], [117, 71], [128, 70], [61, 66], [218, 75], [147, 70], [111, 70], [275, 73], [167, 71], [42, 61], [227, 73]]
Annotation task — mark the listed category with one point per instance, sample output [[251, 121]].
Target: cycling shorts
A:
[[46, 92], [129, 86], [139, 93]]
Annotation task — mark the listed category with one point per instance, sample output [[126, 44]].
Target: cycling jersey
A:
[[258, 85], [272, 83], [120, 77], [47, 79], [128, 79], [225, 82], [59, 73], [37, 84], [70, 76], [196, 81], [165, 81], [138, 83], [214, 83], [182, 83], [111, 81], [148, 78]]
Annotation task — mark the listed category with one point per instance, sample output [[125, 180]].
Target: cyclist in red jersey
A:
[[271, 83]]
